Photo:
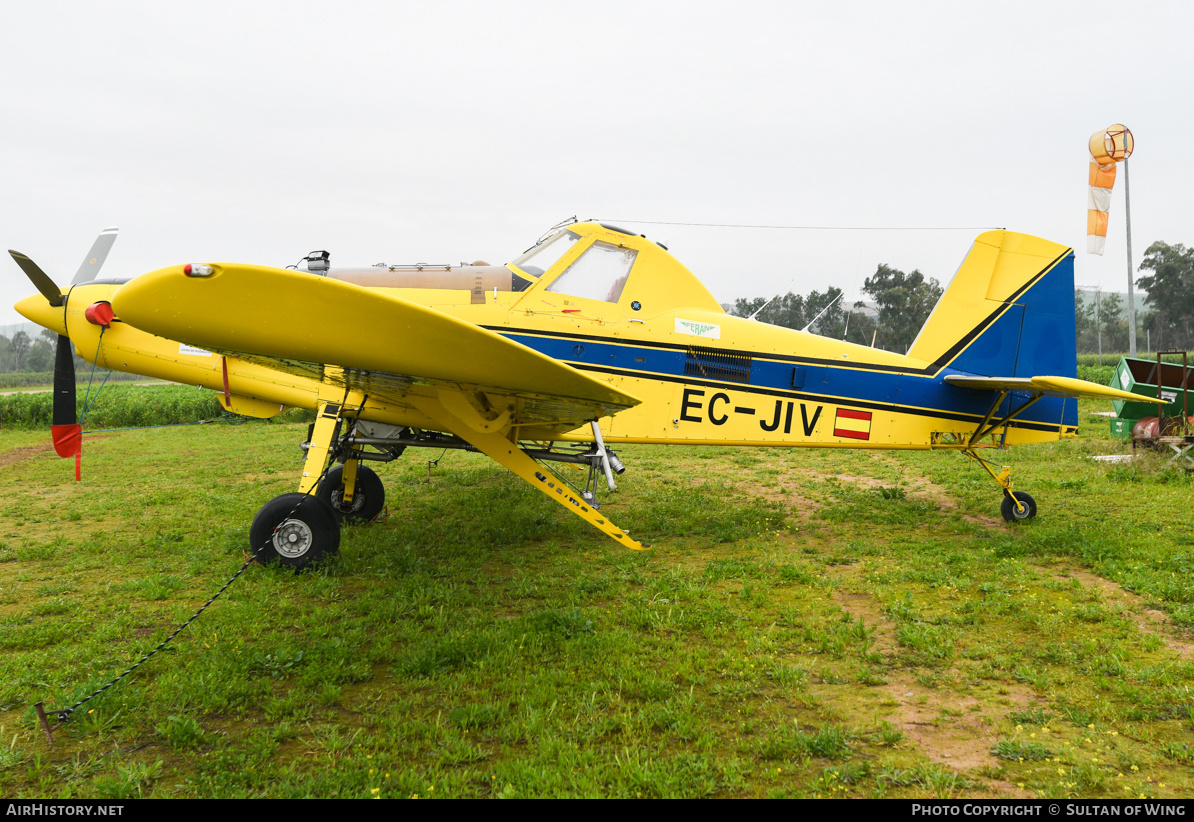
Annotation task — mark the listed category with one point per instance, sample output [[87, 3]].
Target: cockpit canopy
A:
[[595, 261], [599, 273]]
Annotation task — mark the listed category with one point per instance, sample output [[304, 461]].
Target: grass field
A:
[[807, 624]]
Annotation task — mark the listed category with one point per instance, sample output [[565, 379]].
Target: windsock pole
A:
[[1131, 273]]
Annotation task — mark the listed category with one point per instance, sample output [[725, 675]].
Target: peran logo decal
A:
[[696, 329]]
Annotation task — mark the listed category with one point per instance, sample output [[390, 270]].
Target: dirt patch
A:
[[1149, 620], [25, 452], [798, 506], [15, 455], [916, 486], [954, 730], [865, 482], [920, 487], [865, 608]]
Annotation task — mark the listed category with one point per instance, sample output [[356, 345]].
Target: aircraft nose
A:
[[37, 309]]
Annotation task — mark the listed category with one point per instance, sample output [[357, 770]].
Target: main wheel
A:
[[295, 530], [368, 498], [1011, 513]]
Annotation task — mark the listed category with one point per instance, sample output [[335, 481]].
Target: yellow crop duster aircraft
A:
[[594, 336]]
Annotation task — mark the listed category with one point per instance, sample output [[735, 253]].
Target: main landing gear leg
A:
[[298, 529], [1017, 506]]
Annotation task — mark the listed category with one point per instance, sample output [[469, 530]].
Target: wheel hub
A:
[[358, 501], [292, 538]]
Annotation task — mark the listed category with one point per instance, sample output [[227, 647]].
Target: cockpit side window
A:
[[519, 283], [547, 253], [600, 273]]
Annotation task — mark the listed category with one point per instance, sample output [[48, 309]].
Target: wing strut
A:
[[507, 453], [496, 443], [986, 426]]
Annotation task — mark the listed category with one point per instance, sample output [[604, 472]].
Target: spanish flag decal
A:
[[853, 424]]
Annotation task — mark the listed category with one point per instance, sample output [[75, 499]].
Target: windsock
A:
[[1107, 147]]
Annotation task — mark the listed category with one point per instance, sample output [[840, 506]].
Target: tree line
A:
[[1165, 319], [28, 352], [900, 304], [1169, 319]]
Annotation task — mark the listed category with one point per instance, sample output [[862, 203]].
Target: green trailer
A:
[[1121, 429], [1147, 378]]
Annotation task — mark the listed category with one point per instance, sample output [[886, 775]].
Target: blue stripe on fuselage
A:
[[849, 386]]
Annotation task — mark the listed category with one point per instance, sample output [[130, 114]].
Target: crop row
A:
[[23, 379], [124, 406]]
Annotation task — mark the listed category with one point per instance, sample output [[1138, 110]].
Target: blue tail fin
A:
[[1009, 311]]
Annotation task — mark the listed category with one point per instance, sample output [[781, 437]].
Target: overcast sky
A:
[[441, 132]]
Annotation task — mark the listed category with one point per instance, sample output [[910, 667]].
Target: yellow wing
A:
[[357, 337]]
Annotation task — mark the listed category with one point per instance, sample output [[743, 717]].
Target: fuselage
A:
[[620, 308]]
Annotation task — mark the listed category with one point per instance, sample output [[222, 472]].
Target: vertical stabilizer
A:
[[1009, 311]]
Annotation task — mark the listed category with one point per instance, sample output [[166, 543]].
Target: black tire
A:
[[295, 530], [368, 498], [1008, 507]]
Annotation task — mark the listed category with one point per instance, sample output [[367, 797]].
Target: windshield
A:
[[547, 253], [600, 273]]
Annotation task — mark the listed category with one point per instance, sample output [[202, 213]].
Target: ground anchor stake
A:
[[45, 725]]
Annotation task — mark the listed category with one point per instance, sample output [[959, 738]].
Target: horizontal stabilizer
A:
[[1048, 386]]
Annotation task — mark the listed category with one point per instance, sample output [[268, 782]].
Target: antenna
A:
[[823, 310], [769, 302]]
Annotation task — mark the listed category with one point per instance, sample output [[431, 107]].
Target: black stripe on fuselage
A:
[[817, 398]]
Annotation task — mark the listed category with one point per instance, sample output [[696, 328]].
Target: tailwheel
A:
[[368, 497], [295, 530], [1013, 512], [1017, 506]]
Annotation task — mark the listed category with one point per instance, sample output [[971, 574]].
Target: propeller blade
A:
[[65, 423], [94, 260], [39, 278]]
